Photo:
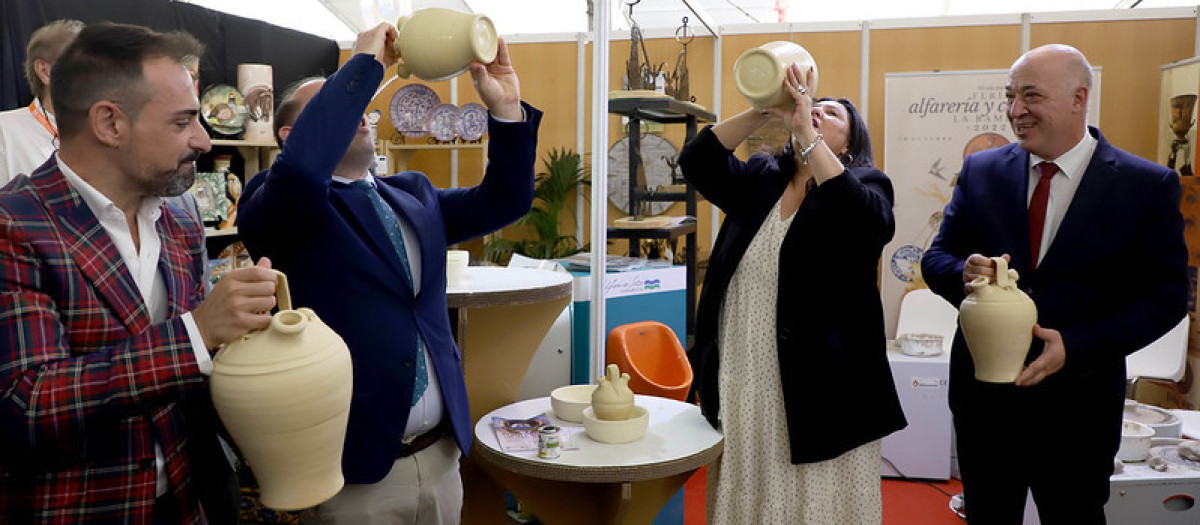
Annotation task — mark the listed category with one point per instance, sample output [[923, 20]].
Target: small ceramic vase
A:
[[997, 321], [759, 73], [254, 81], [284, 395], [613, 400], [436, 44]]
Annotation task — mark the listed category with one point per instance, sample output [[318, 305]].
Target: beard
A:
[[174, 183]]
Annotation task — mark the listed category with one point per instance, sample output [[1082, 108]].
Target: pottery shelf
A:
[[400, 154], [227, 232], [663, 110], [256, 155]]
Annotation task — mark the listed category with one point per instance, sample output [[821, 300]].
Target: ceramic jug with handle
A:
[[997, 321], [613, 400], [759, 73], [436, 44], [284, 395]]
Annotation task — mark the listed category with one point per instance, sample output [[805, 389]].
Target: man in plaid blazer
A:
[[104, 338]]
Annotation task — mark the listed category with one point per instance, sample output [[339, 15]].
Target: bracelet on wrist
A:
[[805, 152]]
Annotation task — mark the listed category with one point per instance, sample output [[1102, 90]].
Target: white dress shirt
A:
[[142, 261], [25, 143], [427, 412], [1063, 184]]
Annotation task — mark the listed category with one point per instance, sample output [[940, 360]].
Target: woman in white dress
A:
[[790, 353]]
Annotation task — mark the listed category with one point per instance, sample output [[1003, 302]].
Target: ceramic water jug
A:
[[759, 73], [613, 400], [284, 395], [997, 321], [436, 44]]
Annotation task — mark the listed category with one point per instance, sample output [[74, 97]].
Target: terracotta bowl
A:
[[569, 401], [1135, 441], [622, 431]]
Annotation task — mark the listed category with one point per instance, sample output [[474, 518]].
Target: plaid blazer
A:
[[87, 384]]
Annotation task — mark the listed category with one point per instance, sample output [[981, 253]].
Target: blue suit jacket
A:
[[1113, 280], [328, 240]]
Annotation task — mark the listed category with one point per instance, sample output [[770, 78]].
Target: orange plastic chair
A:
[[651, 353]]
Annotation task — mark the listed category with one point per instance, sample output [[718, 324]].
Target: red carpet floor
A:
[[904, 502]]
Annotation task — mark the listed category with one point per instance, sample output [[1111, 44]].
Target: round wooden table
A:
[[602, 483], [500, 316]]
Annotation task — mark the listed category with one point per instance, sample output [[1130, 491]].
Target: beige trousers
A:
[[422, 489]]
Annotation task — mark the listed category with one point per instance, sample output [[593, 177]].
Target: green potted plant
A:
[[564, 174]]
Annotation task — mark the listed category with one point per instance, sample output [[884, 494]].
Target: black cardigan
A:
[[829, 316]]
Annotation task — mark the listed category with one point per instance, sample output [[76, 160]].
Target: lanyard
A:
[[38, 114]]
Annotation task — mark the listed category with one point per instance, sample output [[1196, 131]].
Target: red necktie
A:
[[1037, 208]]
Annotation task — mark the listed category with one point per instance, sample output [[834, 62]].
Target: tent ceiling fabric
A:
[[342, 19]]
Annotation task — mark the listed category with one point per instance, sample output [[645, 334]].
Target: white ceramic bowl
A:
[[920, 344], [622, 431], [569, 401], [1135, 441]]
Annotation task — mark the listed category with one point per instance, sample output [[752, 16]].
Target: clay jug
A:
[[613, 400], [997, 321], [436, 44], [284, 395], [759, 73]]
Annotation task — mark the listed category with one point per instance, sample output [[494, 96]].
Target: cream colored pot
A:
[[997, 321], [436, 44], [284, 395], [613, 400], [759, 73]]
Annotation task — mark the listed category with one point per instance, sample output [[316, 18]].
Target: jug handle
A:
[[283, 296], [1004, 277], [401, 69]]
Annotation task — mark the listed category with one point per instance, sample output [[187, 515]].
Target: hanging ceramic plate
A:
[[223, 109], [410, 109], [441, 122], [472, 121]]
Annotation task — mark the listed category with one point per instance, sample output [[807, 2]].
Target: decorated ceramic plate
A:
[[410, 109], [223, 109], [442, 119], [472, 121]]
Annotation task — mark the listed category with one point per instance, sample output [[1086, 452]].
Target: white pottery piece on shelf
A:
[[997, 321], [1135, 441], [456, 267], [759, 73], [284, 395], [613, 400], [256, 86], [437, 44]]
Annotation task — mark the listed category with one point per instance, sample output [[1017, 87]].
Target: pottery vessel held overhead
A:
[[759, 73], [284, 395], [997, 321], [613, 400], [436, 44]]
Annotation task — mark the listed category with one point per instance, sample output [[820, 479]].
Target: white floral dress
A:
[[756, 481]]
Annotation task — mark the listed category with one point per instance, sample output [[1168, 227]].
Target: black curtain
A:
[[229, 40]]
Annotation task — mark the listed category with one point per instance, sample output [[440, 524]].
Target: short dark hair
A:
[[46, 44], [858, 140], [105, 62], [289, 108]]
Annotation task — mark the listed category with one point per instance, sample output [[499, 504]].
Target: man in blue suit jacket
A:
[[1108, 278], [341, 261]]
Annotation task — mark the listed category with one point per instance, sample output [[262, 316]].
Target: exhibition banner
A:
[[932, 121]]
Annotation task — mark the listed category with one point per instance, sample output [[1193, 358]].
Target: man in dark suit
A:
[[104, 338], [368, 254], [1106, 269]]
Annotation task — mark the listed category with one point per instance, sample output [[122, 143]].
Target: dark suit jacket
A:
[[87, 384], [328, 240], [829, 317], [1113, 280]]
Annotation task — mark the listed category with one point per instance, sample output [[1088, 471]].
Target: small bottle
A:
[[548, 442], [660, 83]]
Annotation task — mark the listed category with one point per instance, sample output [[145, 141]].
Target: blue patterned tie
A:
[[392, 225]]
